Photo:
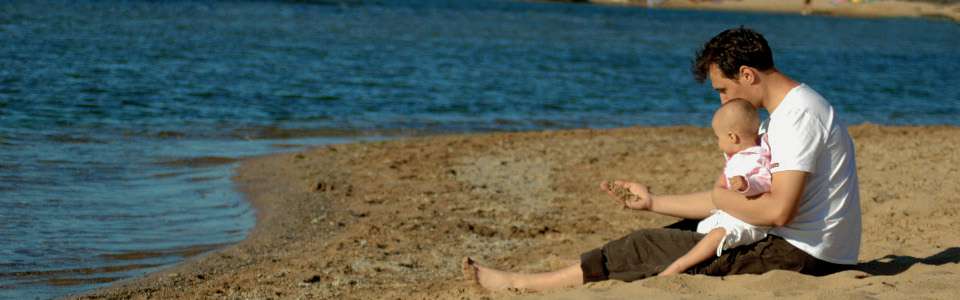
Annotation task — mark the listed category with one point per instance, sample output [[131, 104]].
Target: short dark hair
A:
[[731, 49]]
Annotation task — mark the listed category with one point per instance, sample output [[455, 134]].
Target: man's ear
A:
[[748, 75]]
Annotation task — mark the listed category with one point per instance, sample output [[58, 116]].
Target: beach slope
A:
[[391, 220]]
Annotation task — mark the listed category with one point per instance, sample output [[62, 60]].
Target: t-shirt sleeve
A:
[[795, 139]]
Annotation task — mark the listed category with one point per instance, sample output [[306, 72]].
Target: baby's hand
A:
[[738, 183]]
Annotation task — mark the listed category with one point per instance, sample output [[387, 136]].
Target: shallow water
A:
[[120, 122]]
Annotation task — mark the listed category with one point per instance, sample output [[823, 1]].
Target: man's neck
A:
[[778, 86]]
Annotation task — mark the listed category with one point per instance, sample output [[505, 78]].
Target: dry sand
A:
[[387, 220], [878, 8]]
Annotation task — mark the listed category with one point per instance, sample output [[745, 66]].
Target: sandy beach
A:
[[867, 9], [391, 220]]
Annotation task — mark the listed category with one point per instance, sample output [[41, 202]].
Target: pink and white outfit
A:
[[754, 165]]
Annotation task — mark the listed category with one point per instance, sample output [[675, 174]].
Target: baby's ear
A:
[[734, 138]]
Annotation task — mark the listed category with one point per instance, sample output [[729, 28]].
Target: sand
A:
[[870, 9], [392, 220]]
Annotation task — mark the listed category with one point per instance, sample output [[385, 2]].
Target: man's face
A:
[[730, 89]]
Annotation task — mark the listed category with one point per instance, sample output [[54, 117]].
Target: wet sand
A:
[[393, 219], [872, 9]]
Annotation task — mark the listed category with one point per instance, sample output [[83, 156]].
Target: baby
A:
[[747, 171]]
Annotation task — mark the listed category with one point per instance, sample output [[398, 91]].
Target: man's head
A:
[[734, 61], [736, 124]]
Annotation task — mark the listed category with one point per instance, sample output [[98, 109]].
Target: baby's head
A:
[[736, 124]]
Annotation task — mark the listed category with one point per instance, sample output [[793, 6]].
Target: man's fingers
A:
[[608, 187]]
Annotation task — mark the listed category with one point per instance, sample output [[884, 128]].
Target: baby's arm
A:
[[703, 250], [738, 183], [757, 183], [748, 173]]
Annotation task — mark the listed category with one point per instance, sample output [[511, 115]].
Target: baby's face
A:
[[725, 139]]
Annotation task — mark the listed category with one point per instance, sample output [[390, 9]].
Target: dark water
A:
[[120, 121]]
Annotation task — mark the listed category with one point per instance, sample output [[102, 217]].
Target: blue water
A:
[[120, 121]]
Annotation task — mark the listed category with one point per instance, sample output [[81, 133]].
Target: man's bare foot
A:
[[486, 278], [469, 271]]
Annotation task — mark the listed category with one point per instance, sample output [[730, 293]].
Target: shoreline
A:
[[390, 219], [874, 9]]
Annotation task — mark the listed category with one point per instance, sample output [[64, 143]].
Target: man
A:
[[813, 202]]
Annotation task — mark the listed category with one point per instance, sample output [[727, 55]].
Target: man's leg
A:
[[684, 224], [638, 255], [496, 280], [771, 253], [641, 254], [703, 251]]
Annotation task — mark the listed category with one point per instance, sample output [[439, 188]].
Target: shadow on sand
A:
[[894, 264]]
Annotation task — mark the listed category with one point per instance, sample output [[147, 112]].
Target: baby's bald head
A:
[[739, 117]]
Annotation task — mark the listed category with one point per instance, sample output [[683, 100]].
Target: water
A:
[[120, 122]]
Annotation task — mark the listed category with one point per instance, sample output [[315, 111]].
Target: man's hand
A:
[[738, 183], [629, 194]]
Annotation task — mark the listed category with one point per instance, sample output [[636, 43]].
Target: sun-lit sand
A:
[[392, 220]]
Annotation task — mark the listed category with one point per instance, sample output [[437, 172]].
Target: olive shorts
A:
[[647, 252]]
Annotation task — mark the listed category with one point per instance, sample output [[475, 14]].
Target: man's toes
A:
[[469, 269]]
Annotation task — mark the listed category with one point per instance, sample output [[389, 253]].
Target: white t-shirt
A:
[[806, 135]]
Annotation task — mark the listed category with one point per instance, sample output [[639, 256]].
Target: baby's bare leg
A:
[[703, 250]]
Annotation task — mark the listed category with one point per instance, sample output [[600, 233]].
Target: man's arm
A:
[[776, 208], [688, 206], [694, 206]]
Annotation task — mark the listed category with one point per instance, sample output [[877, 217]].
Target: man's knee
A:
[[593, 263]]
